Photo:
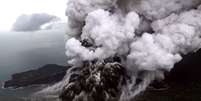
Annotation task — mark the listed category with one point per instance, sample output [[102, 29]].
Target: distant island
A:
[[47, 74]]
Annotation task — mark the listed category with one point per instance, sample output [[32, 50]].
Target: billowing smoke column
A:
[[149, 37], [120, 28]]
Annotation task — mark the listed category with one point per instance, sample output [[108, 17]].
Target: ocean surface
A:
[[22, 51], [21, 94]]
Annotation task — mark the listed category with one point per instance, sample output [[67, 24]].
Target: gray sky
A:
[[32, 22], [11, 9]]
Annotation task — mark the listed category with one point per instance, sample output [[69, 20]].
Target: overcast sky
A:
[[11, 9]]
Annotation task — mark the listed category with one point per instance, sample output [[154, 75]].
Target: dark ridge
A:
[[183, 83], [187, 70]]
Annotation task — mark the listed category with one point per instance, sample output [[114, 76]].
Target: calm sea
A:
[[20, 94], [24, 51]]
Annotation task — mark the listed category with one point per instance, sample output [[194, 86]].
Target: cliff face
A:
[[47, 74]]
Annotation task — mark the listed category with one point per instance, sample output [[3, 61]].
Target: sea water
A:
[[22, 51], [20, 94]]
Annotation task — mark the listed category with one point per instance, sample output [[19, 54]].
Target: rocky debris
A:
[[47, 74], [95, 81]]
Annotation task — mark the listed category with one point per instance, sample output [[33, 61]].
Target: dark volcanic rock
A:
[[187, 70], [95, 81], [47, 74], [183, 83]]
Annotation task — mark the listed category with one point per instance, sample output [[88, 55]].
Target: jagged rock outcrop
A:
[[47, 74]]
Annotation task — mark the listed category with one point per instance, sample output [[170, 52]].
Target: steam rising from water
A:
[[121, 28]]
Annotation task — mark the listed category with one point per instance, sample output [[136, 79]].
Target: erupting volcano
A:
[[118, 47]]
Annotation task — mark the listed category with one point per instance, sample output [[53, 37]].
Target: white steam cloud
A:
[[32, 22], [111, 26], [111, 32], [148, 35]]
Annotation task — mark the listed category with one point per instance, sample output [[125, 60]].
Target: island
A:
[[47, 74]]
